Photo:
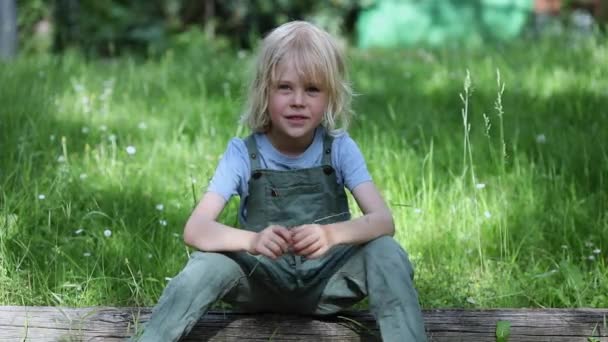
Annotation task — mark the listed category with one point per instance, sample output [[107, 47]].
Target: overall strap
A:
[[254, 154], [327, 141]]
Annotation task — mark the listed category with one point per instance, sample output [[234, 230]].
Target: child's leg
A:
[[206, 278], [381, 270]]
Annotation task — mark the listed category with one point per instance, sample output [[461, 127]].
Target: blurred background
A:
[[108, 28]]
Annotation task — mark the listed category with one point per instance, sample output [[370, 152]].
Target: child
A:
[[298, 250]]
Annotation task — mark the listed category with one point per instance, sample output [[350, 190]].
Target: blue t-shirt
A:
[[234, 170]]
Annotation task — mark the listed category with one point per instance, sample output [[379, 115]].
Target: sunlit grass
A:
[[102, 162]]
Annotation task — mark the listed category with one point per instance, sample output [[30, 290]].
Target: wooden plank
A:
[[116, 324]]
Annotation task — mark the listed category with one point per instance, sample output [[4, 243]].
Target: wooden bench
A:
[[19, 323]]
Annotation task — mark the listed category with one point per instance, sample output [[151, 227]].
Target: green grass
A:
[[534, 234]]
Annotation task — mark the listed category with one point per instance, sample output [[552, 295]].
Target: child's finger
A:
[[304, 243], [316, 254], [299, 234], [311, 249], [284, 245], [282, 232], [274, 247], [267, 252]]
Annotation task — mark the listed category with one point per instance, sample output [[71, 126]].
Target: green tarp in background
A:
[[390, 23]]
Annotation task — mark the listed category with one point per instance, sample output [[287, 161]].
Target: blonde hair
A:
[[317, 59]]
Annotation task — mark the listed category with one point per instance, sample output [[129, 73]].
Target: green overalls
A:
[[346, 274]]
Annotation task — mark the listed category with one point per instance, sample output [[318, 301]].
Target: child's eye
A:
[[284, 87], [313, 89]]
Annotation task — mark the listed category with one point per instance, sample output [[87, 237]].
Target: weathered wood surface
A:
[[116, 324]]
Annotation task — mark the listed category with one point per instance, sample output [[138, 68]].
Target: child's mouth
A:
[[296, 118]]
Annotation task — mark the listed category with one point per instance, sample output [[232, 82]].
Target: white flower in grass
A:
[[175, 235], [480, 185], [86, 254], [564, 247], [149, 255], [112, 137], [103, 128], [107, 233], [541, 139], [41, 196], [417, 211], [142, 125], [85, 130], [162, 222], [591, 257], [487, 214], [596, 251], [168, 279], [160, 207], [131, 150], [52, 137], [83, 176], [61, 159], [192, 180], [78, 231]]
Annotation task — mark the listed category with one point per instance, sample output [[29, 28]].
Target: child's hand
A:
[[310, 240], [272, 242]]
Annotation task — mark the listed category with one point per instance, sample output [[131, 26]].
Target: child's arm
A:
[[204, 233], [377, 219], [314, 240]]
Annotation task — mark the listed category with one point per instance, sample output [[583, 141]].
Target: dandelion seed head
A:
[[487, 214], [149, 255], [112, 137], [591, 257], [160, 207], [131, 150], [596, 251], [541, 139], [107, 233], [41, 196], [162, 222], [61, 159]]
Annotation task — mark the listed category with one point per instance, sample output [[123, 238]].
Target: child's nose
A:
[[298, 98]]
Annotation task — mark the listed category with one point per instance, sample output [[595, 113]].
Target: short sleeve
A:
[[349, 161], [230, 177]]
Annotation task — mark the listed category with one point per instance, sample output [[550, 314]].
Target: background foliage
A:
[[107, 28]]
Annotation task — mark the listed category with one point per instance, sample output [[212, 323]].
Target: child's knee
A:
[[209, 267], [385, 252]]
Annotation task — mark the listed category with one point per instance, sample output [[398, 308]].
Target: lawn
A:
[[494, 162]]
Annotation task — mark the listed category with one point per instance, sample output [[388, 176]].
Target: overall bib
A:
[[379, 269]]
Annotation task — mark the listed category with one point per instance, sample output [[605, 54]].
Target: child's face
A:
[[296, 107]]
